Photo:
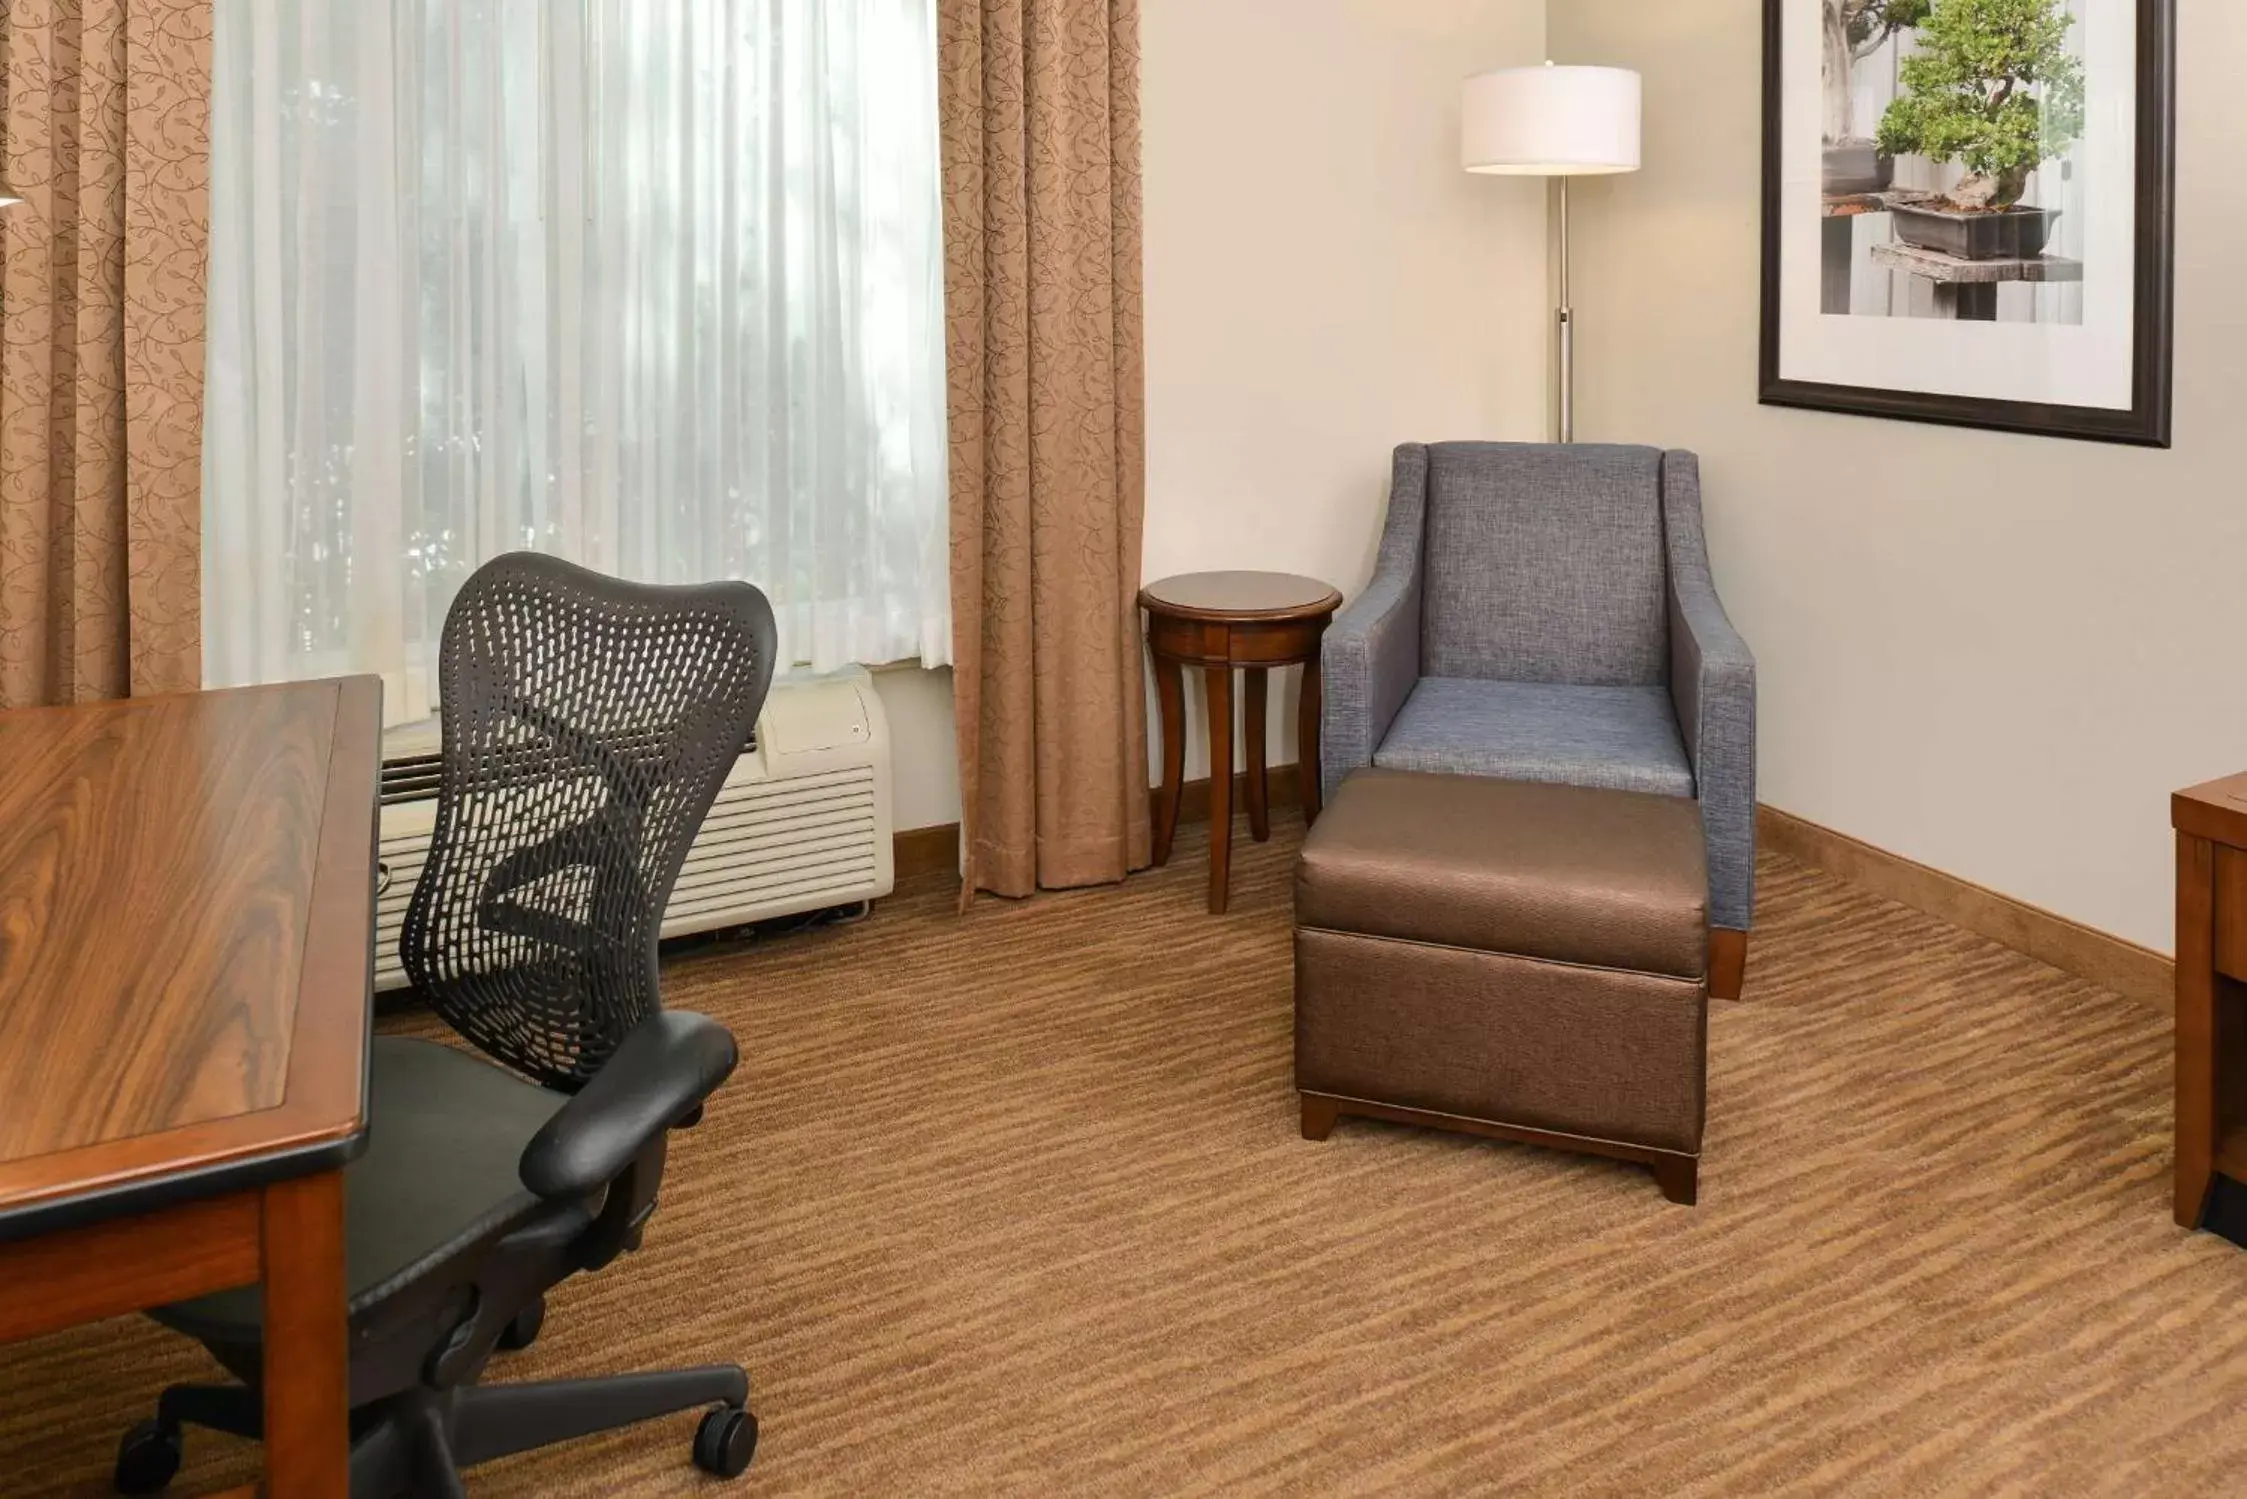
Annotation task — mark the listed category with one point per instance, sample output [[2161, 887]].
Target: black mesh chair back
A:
[[588, 725]]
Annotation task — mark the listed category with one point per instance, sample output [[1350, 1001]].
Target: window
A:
[[656, 287]]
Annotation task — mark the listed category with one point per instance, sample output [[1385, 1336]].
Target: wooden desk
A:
[[2211, 825], [186, 934], [1218, 621]]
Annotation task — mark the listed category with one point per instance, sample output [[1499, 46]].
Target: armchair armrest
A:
[[1370, 658], [662, 1073], [1712, 686]]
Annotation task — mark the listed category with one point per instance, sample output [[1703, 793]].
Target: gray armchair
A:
[[1544, 613]]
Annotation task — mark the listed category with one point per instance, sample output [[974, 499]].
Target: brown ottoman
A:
[[1510, 959]]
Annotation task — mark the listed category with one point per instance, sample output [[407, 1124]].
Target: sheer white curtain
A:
[[655, 285]]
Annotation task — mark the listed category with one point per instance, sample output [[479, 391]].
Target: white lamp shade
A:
[[1550, 121]]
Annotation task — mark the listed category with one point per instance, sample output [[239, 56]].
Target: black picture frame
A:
[[2147, 422]]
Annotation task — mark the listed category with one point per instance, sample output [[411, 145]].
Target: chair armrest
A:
[[1370, 658], [1712, 686], [670, 1063], [1712, 683]]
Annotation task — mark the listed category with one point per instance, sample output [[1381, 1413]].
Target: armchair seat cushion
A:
[[1610, 738]]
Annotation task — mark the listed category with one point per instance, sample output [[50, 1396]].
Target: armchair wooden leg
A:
[[1728, 962], [1319, 1114]]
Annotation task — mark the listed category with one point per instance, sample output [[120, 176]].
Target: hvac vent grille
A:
[[768, 848], [413, 778], [409, 778]]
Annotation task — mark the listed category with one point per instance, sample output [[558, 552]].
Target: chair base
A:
[[415, 1444], [1728, 962], [1677, 1174]]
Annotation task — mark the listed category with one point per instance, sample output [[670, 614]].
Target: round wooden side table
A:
[[1218, 621]]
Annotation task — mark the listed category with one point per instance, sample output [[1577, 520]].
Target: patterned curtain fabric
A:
[[101, 346], [1039, 101]]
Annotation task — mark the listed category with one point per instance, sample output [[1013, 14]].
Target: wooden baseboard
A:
[[2098, 957], [2070, 946], [1193, 798], [928, 851], [937, 850]]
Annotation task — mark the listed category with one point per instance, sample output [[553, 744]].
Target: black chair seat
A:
[[441, 1173]]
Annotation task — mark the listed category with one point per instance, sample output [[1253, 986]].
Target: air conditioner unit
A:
[[802, 822]]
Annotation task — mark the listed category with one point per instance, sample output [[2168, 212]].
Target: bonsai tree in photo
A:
[[1993, 88]]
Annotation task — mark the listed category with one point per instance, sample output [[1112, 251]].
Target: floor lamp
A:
[[1553, 122]]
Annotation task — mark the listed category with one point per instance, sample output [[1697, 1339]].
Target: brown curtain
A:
[[101, 346], [1040, 119]]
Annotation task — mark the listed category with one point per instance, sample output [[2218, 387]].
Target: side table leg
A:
[[1220, 686], [1259, 805], [1307, 764], [1170, 691]]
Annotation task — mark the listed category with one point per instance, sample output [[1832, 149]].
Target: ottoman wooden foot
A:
[[1679, 1177], [1319, 1115]]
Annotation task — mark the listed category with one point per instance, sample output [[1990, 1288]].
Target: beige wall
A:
[[924, 762], [1995, 654], [1323, 281]]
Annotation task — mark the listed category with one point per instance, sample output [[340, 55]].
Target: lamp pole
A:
[[1567, 401]]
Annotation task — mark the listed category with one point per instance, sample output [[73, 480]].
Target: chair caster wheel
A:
[[725, 1442], [523, 1330], [147, 1458]]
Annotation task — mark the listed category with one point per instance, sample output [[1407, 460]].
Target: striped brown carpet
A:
[[1015, 1205]]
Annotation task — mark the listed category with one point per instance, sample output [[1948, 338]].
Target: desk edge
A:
[[143, 1194]]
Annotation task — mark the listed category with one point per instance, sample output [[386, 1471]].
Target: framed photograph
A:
[[1967, 212]]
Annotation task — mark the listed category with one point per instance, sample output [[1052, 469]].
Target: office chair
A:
[[588, 724]]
